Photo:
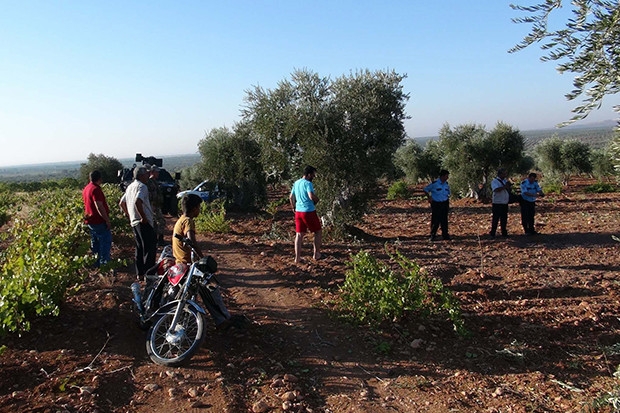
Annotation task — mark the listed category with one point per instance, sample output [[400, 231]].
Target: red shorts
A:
[[305, 221]]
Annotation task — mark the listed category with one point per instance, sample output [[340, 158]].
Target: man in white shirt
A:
[[136, 205], [501, 197]]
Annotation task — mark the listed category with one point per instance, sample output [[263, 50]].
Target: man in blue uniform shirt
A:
[[439, 196], [530, 190]]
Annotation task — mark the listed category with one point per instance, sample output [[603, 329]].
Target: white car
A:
[[204, 190]]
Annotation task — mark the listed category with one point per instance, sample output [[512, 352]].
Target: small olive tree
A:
[[231, 158], [107, 165], [473, 155], [559, 159]]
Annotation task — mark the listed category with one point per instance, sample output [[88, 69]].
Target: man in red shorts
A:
[[303, 200]]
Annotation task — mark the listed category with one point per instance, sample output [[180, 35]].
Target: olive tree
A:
[[559, 159], [107, 165], [588, 46], [231, 159], [417, 163], [472, 154], [348, 128]]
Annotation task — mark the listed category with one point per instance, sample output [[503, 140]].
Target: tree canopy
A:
[[107, 165], [588, 46], [348, 128]]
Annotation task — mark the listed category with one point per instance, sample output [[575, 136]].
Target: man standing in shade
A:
[[530, 191], [136, 205], [156, 198], [501, 196], [97, 217], [438, 194], [303, 200]]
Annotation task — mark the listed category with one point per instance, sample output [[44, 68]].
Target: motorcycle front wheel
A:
[[174, 347]]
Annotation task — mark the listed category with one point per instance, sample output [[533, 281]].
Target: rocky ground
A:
[[542, 312]]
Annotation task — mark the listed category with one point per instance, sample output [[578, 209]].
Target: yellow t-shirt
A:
[[182, 227]]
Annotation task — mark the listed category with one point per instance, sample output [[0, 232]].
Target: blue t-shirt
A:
[[303, 203], [440, 191]]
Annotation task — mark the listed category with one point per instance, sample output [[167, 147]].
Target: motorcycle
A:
[[168, 306]]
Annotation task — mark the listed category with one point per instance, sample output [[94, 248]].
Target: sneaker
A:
[[447, 238], [433, 238]]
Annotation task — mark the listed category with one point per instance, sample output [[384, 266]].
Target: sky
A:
[[152, 77]]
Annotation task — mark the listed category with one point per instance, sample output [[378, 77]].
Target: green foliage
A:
[[419, 164], [601, 187], [348, 128], [614, 152], [398, 190], [7, 202], [212, 218], [473, 155], [273, 206], [118, 221], [373, 293], [107, 165], [562, 158], [602, 163], [589, 47], [551, 186], [46, 254], [232, 159]]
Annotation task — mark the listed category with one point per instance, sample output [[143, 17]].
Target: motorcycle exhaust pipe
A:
[[135, 289]]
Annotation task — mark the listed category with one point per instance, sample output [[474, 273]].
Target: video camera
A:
[[151, 160]]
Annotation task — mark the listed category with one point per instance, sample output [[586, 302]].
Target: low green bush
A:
[[601, 187], [212, 218], [398, 190], [373, 293]]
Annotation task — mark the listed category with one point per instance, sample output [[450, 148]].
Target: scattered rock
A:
[[151, 387], [260, 406]]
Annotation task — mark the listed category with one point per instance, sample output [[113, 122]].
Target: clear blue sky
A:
[[120, 77]]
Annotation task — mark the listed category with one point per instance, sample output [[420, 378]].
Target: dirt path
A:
[[542, 311]]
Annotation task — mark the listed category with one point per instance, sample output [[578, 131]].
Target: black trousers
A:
[[146, 247], [500, 215], [528, 209], [439, 217]]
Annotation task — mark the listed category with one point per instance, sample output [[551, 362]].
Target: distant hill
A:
[[59, 170]]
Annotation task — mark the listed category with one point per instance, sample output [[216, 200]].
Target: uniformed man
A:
[[530, 191], [438, 194]]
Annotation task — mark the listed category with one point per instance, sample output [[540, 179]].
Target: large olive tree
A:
[[348, 128]]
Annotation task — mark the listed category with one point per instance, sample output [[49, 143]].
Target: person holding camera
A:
[[530, 191]]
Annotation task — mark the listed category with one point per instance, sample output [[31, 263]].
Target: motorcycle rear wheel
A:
[[173, 348]]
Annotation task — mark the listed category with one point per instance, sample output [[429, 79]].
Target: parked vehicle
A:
[[168, 306], [206, 190], [167, 183]]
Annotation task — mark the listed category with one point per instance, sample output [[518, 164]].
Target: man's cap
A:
[[139, 171]]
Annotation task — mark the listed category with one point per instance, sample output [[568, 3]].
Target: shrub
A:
[[46, 256], [600, 187], [212, 218], [373, 293], [398, 190]]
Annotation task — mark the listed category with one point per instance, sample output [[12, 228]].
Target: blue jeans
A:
[[100, 243]]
